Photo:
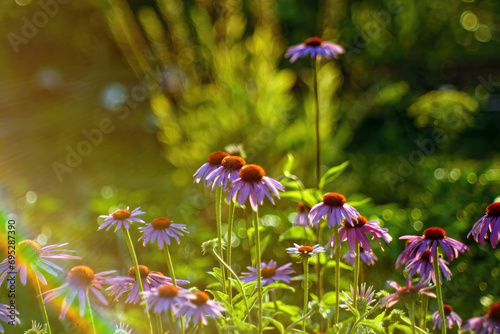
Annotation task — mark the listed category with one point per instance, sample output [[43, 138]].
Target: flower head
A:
[[8, 314], [334, 206], [199, 307], [36, 328], [357, 233], [406, 293], [302, 219], [305, 251], [364, 298], [165, 297], [121, 218], [214, 160], [314, 47], [449, 316], [269, 273], [227, 172], [30, 255], [425, 268], [254, 185], [79, 280], [367, 257], [489, 222], [161, 230], [487, 324], [122, 329]]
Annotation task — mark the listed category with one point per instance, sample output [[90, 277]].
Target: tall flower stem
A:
[[423, 321], [158, 323], [412, 317], [319, 276], [172, 321], [169, 264], [90, 313], [316, 121], [229, 242], [337, 273], [38, 290], [258, 265], [218, 217], [439, 293], [131, 249], [306, 291], [356, 276]]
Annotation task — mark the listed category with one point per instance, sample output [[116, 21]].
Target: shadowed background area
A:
[[107, 104]]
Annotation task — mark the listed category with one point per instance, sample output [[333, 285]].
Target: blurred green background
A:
[[413, 105]]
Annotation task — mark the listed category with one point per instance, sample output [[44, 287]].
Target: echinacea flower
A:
[[8, 314], [305, 251], [356, 234], [449, 316], [269, 273], [121, 218], [165, 297], [425, 268], [314, 47], [79, 281], [334, 206], [364, 298], [489, 222], [30, 255], [487, 324], [302, 219], [432, 237], [226, 173], [161, 230], [367, 257], [122, 329], [213, 161], [150, 279], [406, 293], [254, 185], [199, 307]]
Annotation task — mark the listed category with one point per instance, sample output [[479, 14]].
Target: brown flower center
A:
[[121, 214], [334, 199], [313, 41], [306, 249], [168, 291], [434, 233], [161, 223], [425, 255], [303, 207], [29, 251], [215, 158], [81, 276], [361, 221], [252, 173], [233, 162], [268, 272], [143, 271], [201, 298], [493, 210], [447, 309], [494, 312]]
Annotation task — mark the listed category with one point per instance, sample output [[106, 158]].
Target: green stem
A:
[[319, 276], [423, 320], [158, 323], [439, 293], [273, 297], [316, 119], [169, 264], [337, 273], [90, 313], [42, 305], [229, 242], [131, 249], [258, 263], [356, 276], [172, 321], [306, 291], [218, 217], [412, 317]]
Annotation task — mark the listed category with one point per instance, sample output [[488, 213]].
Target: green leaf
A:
[[297, 233], [276, 324], [244, 327], [332, 174], [373, 325], [353, 310], [360, 202], [331, 264], [380, 317], [287, 167], [283, 286]]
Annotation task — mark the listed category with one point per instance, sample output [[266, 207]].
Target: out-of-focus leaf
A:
[[297, 233], [287, 167], [332, 174]]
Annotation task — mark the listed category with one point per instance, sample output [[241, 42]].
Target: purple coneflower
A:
[[406, 293], [253, 185], [150, 279], [31, 255], [213, 161], [367, 257], [199, 307], [450, 317], [121, 218], [161, 230], [302, 219], [364, 298], [314, 47], [8, 315], [432, 237], [424, 267], [335, 208], [305, 251], [79, 280], [356, 233], [165, 297], [487, 324], [269, 273], [227, 172], [490, 221]]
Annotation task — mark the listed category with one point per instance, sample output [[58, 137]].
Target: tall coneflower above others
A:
[[450, 317], [489, 222], [334, 206], [120, 218], [302, 219], [226, 173], [253, 185], [214, 160], [199, 307], [425, 268], [162, 230], [30, 255], [432, 237], [487, 324], [314, 47], [5, 316], [407, 293]]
